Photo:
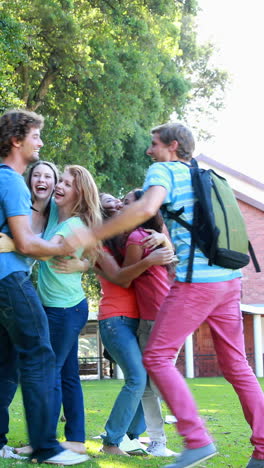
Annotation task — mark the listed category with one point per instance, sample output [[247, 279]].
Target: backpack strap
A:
[[253, 257], [189, 273], [190, 227], [176, 217], [194, 162]]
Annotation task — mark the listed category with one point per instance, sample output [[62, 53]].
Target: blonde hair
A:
[[87, 206]]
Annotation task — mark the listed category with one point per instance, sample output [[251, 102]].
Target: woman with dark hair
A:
[[151, 288], [118, 323], [41, 180]]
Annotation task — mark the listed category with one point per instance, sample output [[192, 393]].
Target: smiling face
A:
[[42, 182], [30, 146], [110, 204], [65, 192]]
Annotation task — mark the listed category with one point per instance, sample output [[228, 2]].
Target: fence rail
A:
[[95, 366]]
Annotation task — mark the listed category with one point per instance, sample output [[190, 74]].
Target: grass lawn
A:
[[218, 405]]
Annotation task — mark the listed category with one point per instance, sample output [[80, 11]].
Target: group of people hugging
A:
[[134, 270], [148, 305]]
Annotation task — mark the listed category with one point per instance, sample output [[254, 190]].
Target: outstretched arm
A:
[[7, 244], [130, 217], [29, 244]]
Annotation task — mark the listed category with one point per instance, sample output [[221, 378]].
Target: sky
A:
[[236, 28]]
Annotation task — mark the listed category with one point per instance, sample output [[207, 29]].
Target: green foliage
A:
[[103, 73], [91, 287], [11, 54]]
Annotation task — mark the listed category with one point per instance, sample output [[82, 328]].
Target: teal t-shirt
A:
[[59, 289], [14, 201]]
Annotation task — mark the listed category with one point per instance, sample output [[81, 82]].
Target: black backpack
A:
[[218, 227]]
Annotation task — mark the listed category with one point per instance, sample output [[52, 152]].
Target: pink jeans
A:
[[186, 307]]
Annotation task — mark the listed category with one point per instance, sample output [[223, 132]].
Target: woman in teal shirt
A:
[[76, 204]]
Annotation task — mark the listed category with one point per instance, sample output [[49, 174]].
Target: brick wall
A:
[[205, 361], [253, 283]]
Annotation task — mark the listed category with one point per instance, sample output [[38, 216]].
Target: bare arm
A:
[[133, 254], [123, 276], [29, 244], [167, 234], [109, 268], [134, 215]]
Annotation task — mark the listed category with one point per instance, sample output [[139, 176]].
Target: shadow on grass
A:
[[218, 405]]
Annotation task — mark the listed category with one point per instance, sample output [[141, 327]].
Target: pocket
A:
[[21, 277]]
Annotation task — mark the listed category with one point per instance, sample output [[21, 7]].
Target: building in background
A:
[[198, 358]]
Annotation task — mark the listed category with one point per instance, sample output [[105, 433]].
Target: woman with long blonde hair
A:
[[76, 204]]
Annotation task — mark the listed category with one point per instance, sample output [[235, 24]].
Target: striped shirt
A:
[[175, 177]]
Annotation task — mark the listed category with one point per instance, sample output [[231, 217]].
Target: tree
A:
[[103, 72]]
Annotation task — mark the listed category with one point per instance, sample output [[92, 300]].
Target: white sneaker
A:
[[7, 452], [67, 457], [159, 449]]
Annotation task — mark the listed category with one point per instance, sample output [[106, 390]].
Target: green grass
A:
[[218, 405]]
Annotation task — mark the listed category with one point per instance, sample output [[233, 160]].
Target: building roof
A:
[[246, 189], [253, 309]]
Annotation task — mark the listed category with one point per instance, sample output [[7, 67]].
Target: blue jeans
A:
[[24, 342], [119, 336], [65, 325], [8, 382]]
